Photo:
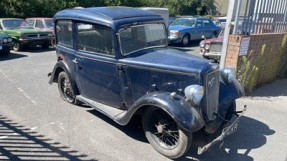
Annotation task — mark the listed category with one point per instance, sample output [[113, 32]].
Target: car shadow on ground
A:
[[236, 147], [275, 89], [251, 134], [12, 56], [133, 129], [21, 143], [37, 49]]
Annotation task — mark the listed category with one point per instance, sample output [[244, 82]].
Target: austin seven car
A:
[[116, 60]]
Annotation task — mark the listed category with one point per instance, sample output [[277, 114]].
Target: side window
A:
[[94, 38], [198, 23], [64, 33], [31, 22], [39, 24], [206, 23]]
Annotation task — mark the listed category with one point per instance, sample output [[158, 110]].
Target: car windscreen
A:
[[183, 22], [10, 24], [140, 37], [49, 23]]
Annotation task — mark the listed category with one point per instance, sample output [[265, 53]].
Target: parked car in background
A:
[[211, 48], [116, 60], [23, 34], [185, 29], [6, 43], [42, 23]]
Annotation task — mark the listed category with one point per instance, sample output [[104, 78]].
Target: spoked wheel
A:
[[17, 47], [65, 88], [164, 134]]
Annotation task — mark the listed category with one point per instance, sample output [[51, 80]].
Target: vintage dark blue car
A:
[[6, 43], [116, 60], [184, 29]]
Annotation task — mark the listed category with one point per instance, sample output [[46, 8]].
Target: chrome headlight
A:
[[10, 39], [194, 93], [207, 46], [174, 33], [5, 40], [50, 35], [228, 74], [202, 44]]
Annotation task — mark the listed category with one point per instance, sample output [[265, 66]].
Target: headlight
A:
[[50, 35], [175, 33], [5, 40], [207, 46], [228, 74], [194, 93], [202, 44], [10, 39]]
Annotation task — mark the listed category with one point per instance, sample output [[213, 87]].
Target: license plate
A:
[[231, 130], [0, 47]]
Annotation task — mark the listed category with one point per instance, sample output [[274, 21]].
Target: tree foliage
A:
[[47, 8]]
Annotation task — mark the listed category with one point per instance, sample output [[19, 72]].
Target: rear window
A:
[[64, 33]]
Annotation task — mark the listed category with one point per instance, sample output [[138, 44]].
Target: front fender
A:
[[180, 110], [229, 92]]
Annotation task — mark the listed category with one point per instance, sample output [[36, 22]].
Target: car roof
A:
[[11, 19], [107, 15], [39, 18]]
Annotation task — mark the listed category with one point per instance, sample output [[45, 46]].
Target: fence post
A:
[[226, 32]]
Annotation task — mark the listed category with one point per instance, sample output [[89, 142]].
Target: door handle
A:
[[75, 61]]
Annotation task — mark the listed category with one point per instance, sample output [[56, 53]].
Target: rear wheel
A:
[[164, 134], [66, 90]]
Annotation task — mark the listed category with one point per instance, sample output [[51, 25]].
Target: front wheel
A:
[[65, 88], [18, 46], [164, 134], [185, 40]]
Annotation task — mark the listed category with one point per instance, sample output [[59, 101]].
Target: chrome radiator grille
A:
[[210, 101], [215, 46]]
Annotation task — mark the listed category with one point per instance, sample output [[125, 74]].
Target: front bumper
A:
[[225, 132], [6, 46], [174, 40], [211, 54]]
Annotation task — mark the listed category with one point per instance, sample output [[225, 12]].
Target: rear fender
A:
[[59, 67], [177, 107]]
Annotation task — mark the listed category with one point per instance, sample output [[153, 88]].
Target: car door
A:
[[97, 69], [208, 28], [198, 30]]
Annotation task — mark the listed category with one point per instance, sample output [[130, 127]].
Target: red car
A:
[[211, 48], [42, 23]]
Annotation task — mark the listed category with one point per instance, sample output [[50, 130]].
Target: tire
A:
[[17, 47], [230, 112], [67, 93], [164, 134], [46, 45], [185, 40], [214, 34]]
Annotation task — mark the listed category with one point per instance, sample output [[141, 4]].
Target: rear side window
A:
[[94, 38], [206, 23], [64, 33]]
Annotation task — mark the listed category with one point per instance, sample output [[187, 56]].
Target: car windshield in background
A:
[[140, 37], [183, 22], [49, 23], [10, 24]]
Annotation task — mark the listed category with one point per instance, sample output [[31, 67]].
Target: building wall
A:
[[222, 7]]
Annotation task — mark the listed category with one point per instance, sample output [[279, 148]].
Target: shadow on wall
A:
[[20, 143]]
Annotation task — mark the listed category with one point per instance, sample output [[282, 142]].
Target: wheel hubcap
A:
[[66, 88]]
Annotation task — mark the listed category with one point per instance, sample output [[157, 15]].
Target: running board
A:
[[109, 111]]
